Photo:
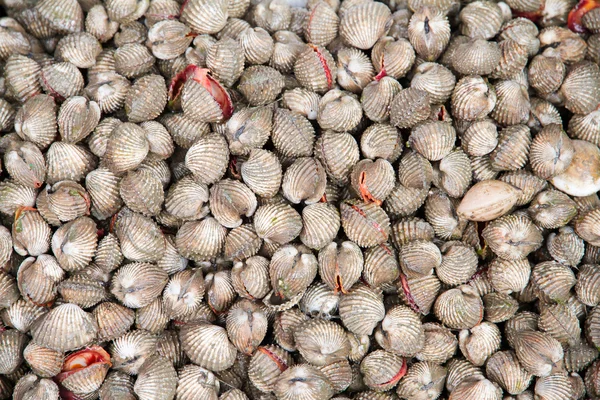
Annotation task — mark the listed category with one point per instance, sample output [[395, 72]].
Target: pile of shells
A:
[[299, 200]]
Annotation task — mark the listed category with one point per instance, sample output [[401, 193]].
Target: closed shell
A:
[[320, 225], [80, 49], [208, 158], [65, 328], [480, 342], [208, 346], [230, 200], [201, 240], [36, 121], [381, 141], [157, 377], [242, 242], [365, 224], [262, 172], [250, 278], [374, 180], [339, 111], [429, 32], [410, 107], [538, 352], [382, 370], [580, 88], [459, 308], [503, 232], [361, 309], [141, 107], [322, 342], [504, 368], [362, 25], [473, 16], [337, 152], [205, 16], [291, 384], [260, 84], [476, 57], [436, 80], [278, 223], [266, 365], [512, 105], [292, 134], [472, 98], [433, 140], [304, 181], [401, 332], [552, 281], [314, 68], [257, 44]]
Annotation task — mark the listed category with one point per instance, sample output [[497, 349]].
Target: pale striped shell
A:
[[208, 346], [362, 25], [208, 158], [124, 287], [320, 225], [382, 370], [365, 224], [322, 342], [201, 240], [501, 233], [480, 342], [401, 332], [377, 98], [66, 327], [361, 309], [429, 32], [205, 16], [459, 308]]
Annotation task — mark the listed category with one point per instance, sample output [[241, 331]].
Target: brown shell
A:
[[242, 242], [304, 180], [362, 25], [365, 224], [321, 26], [314, 69], [429, 32], [320, 225], [260, 84], [262, 173], [337, 152], [339, 111], [208, 158], [291, 270], [552, 281], [410, 106], [377, 98], [205, 16], [472, 98], [322, 342], [433, 140], [512, 105], [476, 57], [459, 308], [381, 141], [266, 365], [481, 19], [538, 352], [401, 332], [580, 88]]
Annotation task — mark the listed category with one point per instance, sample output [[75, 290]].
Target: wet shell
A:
[[304, 181], [401, 332], [459, 308], [512, 237], [314, 68], [337, 152], [546, 74], [509, 276], [156, 379], [262, 173], [472, 98], [320, 225], [124, 284], [140, 106], [201, 240], [266, 365], [321, 342], [208, 346], [80, 49], [205, 16], [260, 84], [303, 381], [250, 278], [339, 111], [242, 242], [586, 288], [410, 107], [433, 140], [429, 32], [488, 200], [66, 327], [538, 352], [196, 381]]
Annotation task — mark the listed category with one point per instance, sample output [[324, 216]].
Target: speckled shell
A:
[[321, 342], [208, 346], [433, 140], [401, 332], [292, 134], [463, 298], [429, 32], [262, 173], [320, 225], [321, 26], [205, 16], [538, 352], [66, 327], [315, 68], [377, 98], [260, 84], [472, 98], [410, 106]]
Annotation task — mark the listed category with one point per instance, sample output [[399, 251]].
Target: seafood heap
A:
[[299, 200]]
